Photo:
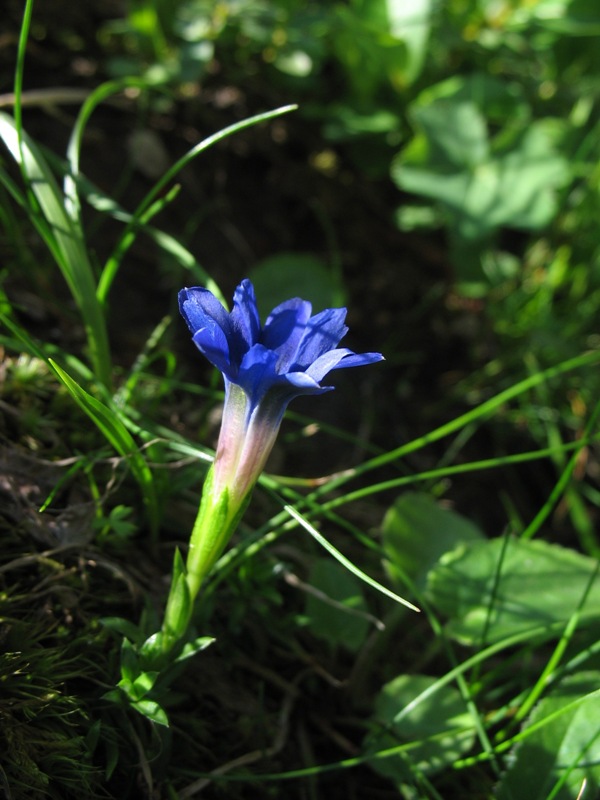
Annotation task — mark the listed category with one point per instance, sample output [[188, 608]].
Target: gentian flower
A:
[[264, 368]]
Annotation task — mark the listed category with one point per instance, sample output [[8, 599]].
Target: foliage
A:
[[458, 137]]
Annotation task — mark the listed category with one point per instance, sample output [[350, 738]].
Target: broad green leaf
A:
[[109, 424], [456, 131], [410, 22], [345, 122], [152, 710], [515, 189], [528, 176], [560, 751], [498, 101], [417, 531], [438, 730], [479, 180], [331, 611], [365, 48], [494, 589]]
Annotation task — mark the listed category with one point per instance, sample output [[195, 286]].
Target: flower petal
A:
[[211, 341], [257, 372], [323, 333], [197, 305], [284, 329], [305, 384], [340, 359], [244, 319]]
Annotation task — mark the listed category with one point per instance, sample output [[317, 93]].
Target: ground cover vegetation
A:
[[433, 167]]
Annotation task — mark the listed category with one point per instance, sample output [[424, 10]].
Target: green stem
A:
[[215, 524]]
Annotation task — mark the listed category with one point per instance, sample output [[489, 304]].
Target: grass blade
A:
[[67, 237], [113, 429]]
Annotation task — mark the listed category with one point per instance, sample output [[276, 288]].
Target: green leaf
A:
[[497, 100], [194, 647], [180, 602], [561, 746], [121, 626], [484, 192], [64, 237], [417, 531], [410, 22], [109, 424], [494, 589], [152, 711], [456, 132], [331, 610], [129, 664], [482, 182], [143, 684], [439, 729]]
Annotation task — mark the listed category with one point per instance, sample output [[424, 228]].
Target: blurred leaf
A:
[[333, 618], [396, 32], [559, 747], [366, 49], [482, 183], [410, 21], [347, 122], [456, 133], [124, 627], [417, 531], [498, 100], [294, 62], [569, 17], [440, 728], [411, 218], [494, 589], [481, 191], [295, 275]]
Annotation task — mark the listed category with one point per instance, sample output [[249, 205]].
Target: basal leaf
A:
[[494, 589], [417, 531], [561, 751], [331, 611], [438, 730]]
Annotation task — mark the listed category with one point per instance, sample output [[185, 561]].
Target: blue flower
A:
[[288, 357], [264, 367]]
